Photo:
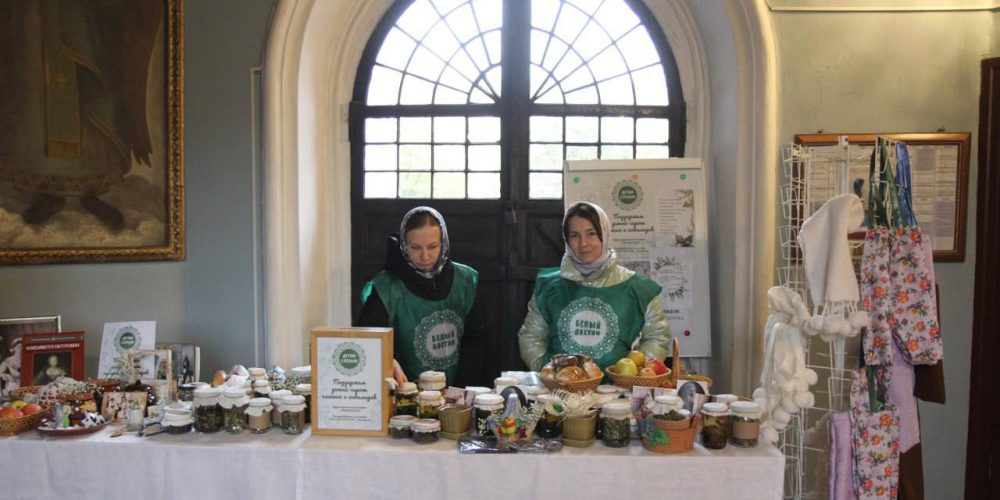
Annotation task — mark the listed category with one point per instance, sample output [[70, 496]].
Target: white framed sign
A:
[[659, 228], [350, 395]]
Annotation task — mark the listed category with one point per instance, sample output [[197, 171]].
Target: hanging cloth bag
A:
[[875, 434], [915, 326], [875, 260]]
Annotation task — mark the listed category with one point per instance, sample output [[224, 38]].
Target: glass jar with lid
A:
[[666, 403], [715, 425], [426, 430], [234, 404], [261, 388], [744, 423], [532, 392], [607, 393], [726, 399], [432, 381], [399, 426], [177, 420], [277, 398], [207, 411], [185, 392], [259, 415], [501, 383], [486, 404], [428, 403], [293, 419], [550, 425], [615, 430], [305, 390], [406, 399]]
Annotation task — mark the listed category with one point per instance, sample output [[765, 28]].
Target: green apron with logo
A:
[[600, 322], [428, 333]]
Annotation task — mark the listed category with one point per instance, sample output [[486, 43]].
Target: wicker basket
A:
[[669, 436], [628, 381], [20, 392], [577, 386], [13, 426]]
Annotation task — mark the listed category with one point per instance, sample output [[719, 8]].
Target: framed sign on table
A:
[[939, 166], [350, 395], [48, 356]]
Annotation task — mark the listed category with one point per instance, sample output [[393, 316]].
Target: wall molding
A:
[[806, 6]]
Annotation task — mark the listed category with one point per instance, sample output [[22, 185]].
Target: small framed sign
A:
[[48, 356], [350, 396]]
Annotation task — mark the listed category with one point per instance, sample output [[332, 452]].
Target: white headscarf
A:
[[445, 246], [603, 232]]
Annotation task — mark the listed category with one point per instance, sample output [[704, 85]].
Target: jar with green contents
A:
[[715, 425], [293, 420], [486, 404], [406, 399], [185, 392], [277, 399], [744, 423], [207, 412], [305, 390], [615, 430], [550, 425], [428, 403], [234, 405]]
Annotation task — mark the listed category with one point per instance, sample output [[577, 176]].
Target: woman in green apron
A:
[[590, 304], [429, 301]]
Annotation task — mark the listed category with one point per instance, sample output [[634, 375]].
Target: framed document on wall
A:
[[350, 395]]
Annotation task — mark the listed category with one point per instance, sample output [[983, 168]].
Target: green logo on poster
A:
[[126, 338], [349, 359], [627, 194]]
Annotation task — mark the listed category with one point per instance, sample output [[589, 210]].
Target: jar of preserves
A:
[[744, 423], [665, 403], [486, 405], [234, 405], [185, 392], [532, 392], [715, 425], [261, 388], [399, 426], [207, 411], [501, 383], [177, 420], [426, 430], [428, 403], [550, 425], [406, 399], [305, 390], [259, 415], [726, 399], [293, 409], [432, 381], [615, 430], [257, 374], [277, 398]]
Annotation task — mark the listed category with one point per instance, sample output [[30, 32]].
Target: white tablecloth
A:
[[277, 467]]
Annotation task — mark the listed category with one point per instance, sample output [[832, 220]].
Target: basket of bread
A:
[[571, 372]]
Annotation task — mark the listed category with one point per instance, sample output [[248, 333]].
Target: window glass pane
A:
[[539, 40], [578, 79], [651, 86], [384, 87], [554, 55], [415, 157], [652, 152], [446, 6], [581, 152], [395, 50], [616, 129], [551, 96], [616, 18], [484, 158], [464, 65], [484, 129], [449, 157], [567, 65], [616, 152], [417, 19], [545, 157], [449, 129], [493, 76], [382, 157], [452, 78], [484, 186], [544, 185], [543, 13], [652, 130], [638, 49], [416, 91], [414, 185], [462, 22], [492, 40], [441, 42], [380, 130], [445, 95], [478, 97], [477, 51], [449, 185], [587, 6], [569, 23], [608, 64], [581, 129], [586, 95], [546, 128], [591, 41], [415, 129], [425, 64], [489, 13], [617, 91], [380, 185]]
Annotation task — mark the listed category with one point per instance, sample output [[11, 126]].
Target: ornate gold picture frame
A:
[[92, 148]]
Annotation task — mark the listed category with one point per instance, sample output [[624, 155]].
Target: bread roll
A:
[[571, 374]]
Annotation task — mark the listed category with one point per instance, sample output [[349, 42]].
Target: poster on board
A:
[[350, 394], [659, 228]]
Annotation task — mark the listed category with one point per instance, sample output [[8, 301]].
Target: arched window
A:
[[473, 105]]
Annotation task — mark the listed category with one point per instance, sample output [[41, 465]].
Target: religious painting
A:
[[91, 131]]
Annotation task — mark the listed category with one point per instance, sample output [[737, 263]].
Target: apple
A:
[[9, 412], [627, 367], [31, 409], [637, 357], [647, 372], [18, 404], [656, 365]]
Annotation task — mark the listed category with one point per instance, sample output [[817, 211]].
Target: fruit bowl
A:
[[14, 426], [574, 386], [629, 381]]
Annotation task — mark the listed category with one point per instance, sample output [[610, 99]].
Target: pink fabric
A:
[[876, 442], [876, 296], [841, 461], [914, 322], [901, 396]]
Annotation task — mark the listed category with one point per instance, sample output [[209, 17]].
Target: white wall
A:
[[899, 72]]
